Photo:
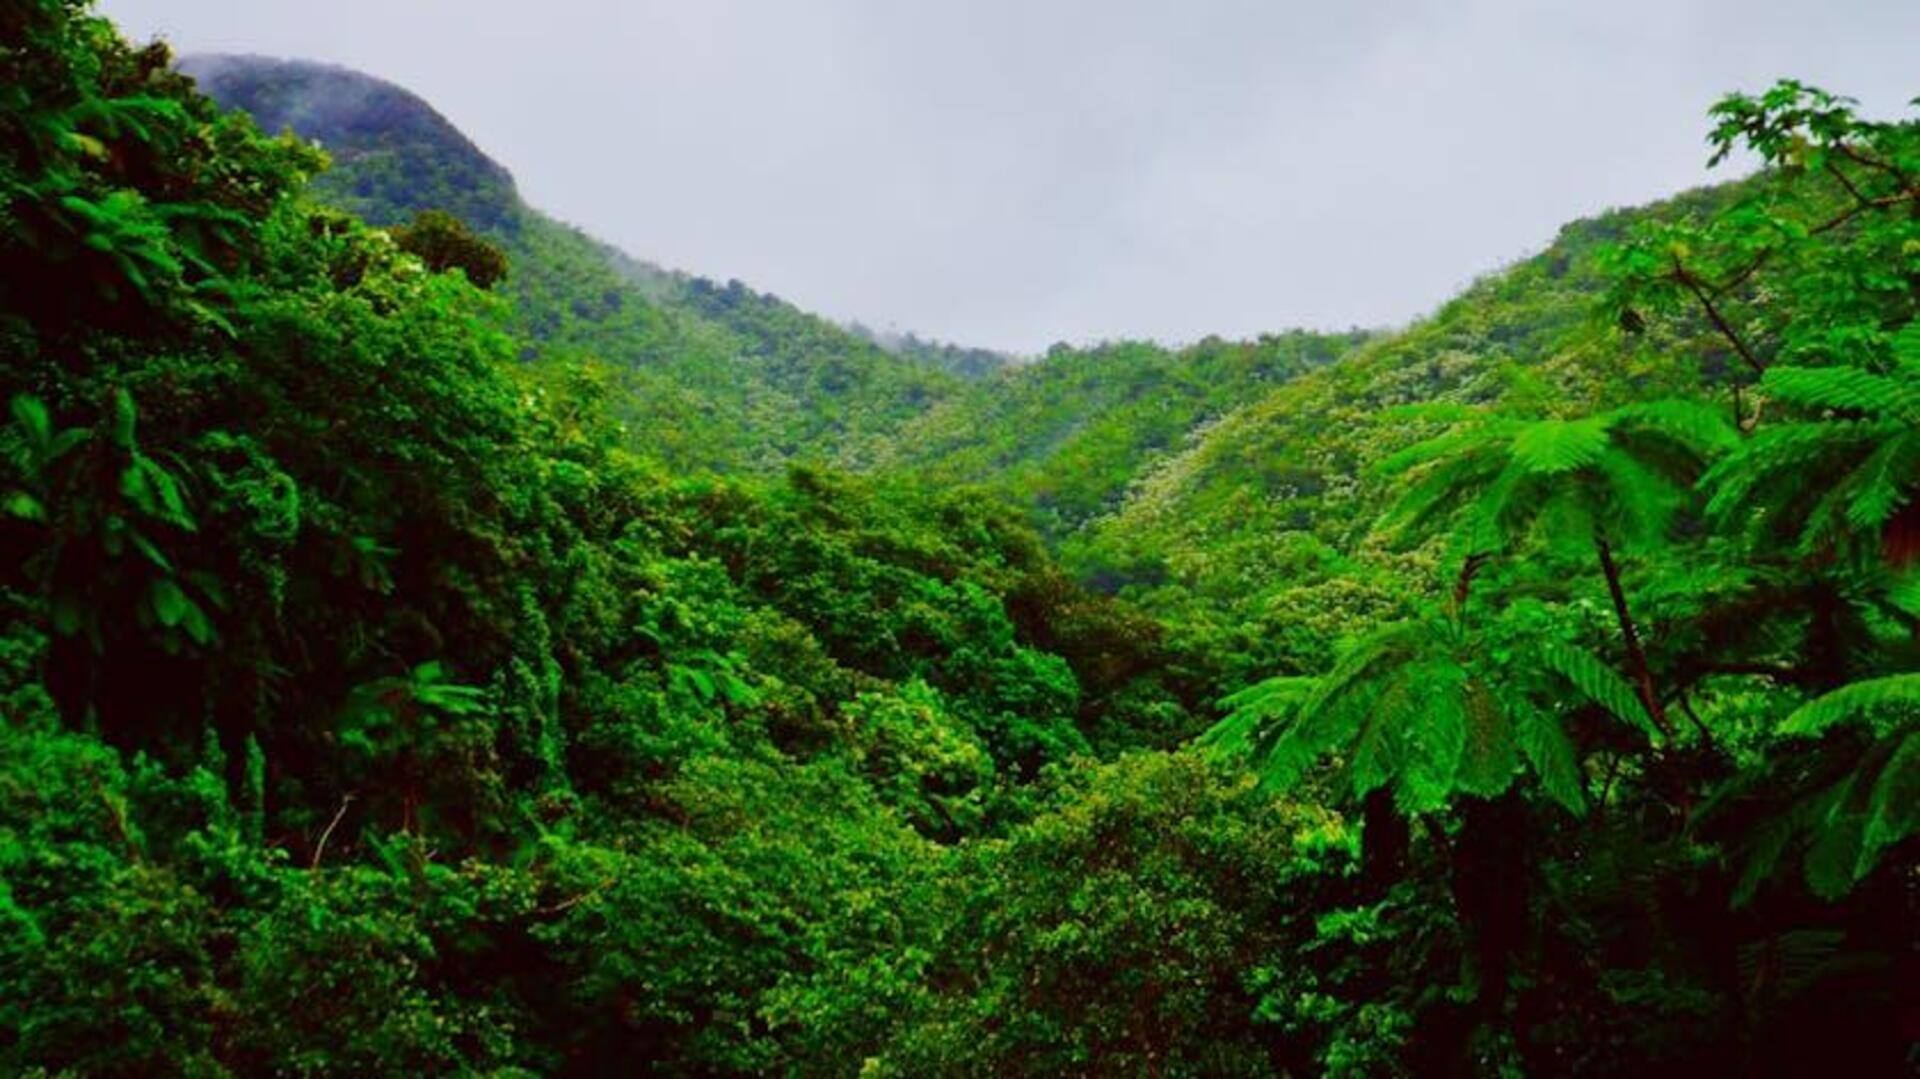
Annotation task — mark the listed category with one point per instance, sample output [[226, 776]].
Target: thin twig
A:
[[1686, 709], [1847, 182], [567, 904], [320, 848], [1887, 167]]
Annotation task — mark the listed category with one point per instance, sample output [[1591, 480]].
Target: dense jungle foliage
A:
[[435, 643]]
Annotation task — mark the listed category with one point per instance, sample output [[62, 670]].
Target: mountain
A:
[[1067, 434], [957, 359], [1216, 483], [710, 376], [1221, 485], [724, 377], [393, 155], [1265, 525]]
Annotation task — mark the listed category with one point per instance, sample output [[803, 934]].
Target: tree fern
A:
[[1512, 475], [1255, 717], [1843, 802], [1408, 709], [1550, 447], [1845, 388], [1838, 474], [1903, 593], [1607, 482]]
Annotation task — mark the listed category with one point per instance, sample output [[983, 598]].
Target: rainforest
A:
[[436, 642]]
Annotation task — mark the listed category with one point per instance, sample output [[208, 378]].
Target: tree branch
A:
[[1866, 161], [1693, 285], [320, 848]]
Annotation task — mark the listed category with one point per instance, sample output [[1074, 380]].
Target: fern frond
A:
[[1764, 851], [1488, 755], [1863, 701], [1784, 965], [1371, 652], [1642, 501], [1269, 697], [1554, 446], [1311, 736], [1837, 820], [1700, 428], [1599, 684], [1561, 507], [1547, 749], [1893, 809], [1433, 735], [1437, 488], [1780, 449], [1906, 348], [1461, 439], [1848, 389], [1822, 520], [1255, 718], [1904, 593], [1883, 482], [1235, 737], [1380, 751]]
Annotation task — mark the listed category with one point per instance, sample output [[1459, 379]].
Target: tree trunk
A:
[[1492, 892], [1636, 656], [1385, 841]]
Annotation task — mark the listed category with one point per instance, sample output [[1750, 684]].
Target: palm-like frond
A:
[[1255, 717], [1906, 349], [1624, 471], [1701, 429], [1904, 594], [1598, 683], [1883, 483], [1489, 753], [1639, 502], [1840, 473], [1551, 447], [1403, 709], [1874, 701], [1844, 388], [1864, 795], [1467, 434], [1798, 482], [1550, 752]]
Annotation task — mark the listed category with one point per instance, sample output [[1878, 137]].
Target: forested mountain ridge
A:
[[373, 702], [393, 154], [1076, 428], [1069, 432], [1223, 485], [714, 376], [1263, 523]]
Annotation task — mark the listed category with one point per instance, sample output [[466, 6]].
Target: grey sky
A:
[[1015, 172]]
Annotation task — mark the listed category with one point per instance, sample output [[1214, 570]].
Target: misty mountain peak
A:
[[406, 156]]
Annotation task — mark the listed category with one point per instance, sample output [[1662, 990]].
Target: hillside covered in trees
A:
[[712, 376], [438, 643]]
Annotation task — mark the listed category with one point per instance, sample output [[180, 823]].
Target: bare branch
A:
[[1693, 285], [320, 848]]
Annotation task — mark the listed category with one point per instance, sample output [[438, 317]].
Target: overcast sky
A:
[[1015, 172]]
